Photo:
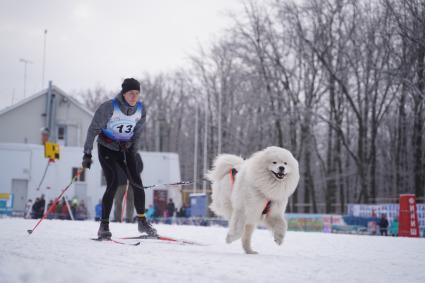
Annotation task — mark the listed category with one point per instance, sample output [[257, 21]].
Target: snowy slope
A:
[[60, 251]]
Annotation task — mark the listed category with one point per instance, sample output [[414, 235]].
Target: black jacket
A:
[[383, 223]]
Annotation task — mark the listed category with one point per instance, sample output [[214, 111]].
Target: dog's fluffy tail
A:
[[222, 166], [221, 184]]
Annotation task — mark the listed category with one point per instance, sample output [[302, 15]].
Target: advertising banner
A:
[[408, 218], [6, 203]]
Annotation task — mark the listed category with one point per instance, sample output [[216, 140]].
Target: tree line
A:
[[340, 83]]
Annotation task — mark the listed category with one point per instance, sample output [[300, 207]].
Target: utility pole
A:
[[26, 62], [204, 184], [157, 133], [220, 109], [44, 59], [195, 154]]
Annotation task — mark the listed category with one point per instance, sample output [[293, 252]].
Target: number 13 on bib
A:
[[120, 127]]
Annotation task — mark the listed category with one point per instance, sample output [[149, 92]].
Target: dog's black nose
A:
[[281, 168]]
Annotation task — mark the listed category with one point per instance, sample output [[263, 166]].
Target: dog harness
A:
[[120, 127], [232, 174]]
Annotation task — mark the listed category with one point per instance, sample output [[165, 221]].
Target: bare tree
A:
[[340, 83], [409, 16], [93, 98]]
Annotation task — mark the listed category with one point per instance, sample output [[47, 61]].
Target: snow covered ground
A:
[[60, 251]]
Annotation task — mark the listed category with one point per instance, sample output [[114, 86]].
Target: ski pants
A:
[[109, 160]]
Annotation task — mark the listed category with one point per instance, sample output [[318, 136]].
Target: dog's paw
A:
[[230, 238], [278, 238], [251, 252]]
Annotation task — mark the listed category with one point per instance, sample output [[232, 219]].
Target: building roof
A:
[[55, 90]]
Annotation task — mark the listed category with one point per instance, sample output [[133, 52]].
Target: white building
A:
[[66, 119], [23, 163], [23, 166]]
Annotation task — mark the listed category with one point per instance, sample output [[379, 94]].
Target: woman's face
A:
[[131, 97]]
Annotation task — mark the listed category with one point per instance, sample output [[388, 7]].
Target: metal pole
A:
[[195, 159], [69, 208], [219, 122], [204, 184], [157, 133], [26, 62], [49, 110], [44, 59]]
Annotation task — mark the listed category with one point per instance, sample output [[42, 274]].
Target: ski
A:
[[116, 241], [162, 238]]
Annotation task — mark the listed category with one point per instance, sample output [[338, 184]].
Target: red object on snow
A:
[[408, 217]]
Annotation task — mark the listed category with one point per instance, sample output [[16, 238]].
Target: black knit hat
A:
[[130, 84]]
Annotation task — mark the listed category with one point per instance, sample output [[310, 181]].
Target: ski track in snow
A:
[[61, 251]]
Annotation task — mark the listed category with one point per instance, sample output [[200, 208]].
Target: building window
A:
[[82, 177], [61, 135]]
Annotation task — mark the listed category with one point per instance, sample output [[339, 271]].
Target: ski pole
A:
[[130, 179], [30, 231], [124, 203]]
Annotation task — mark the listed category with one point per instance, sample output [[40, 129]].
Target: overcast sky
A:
[[99, 42]]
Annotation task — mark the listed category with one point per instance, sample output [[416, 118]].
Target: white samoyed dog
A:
[[257, 189]]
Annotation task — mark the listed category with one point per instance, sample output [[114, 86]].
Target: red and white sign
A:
[[408, 218]]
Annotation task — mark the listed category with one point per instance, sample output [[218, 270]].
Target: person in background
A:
[[38, 207], [187, 211], [28, 207], [150, 212], [41, 206], [184, 211], [383, 225], [394, 227], [118, 124], [171, 208], [74, 205], [50, 215], [181, 212], [81, 211], [35, 208], [64, 210]]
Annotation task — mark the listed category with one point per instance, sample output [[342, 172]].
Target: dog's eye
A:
[[274, 162], [286, 163]]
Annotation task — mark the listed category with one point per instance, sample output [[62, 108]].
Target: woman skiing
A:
[[118, 123]]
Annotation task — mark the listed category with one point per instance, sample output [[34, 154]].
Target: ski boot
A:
[[103, 233], [145, 227]]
